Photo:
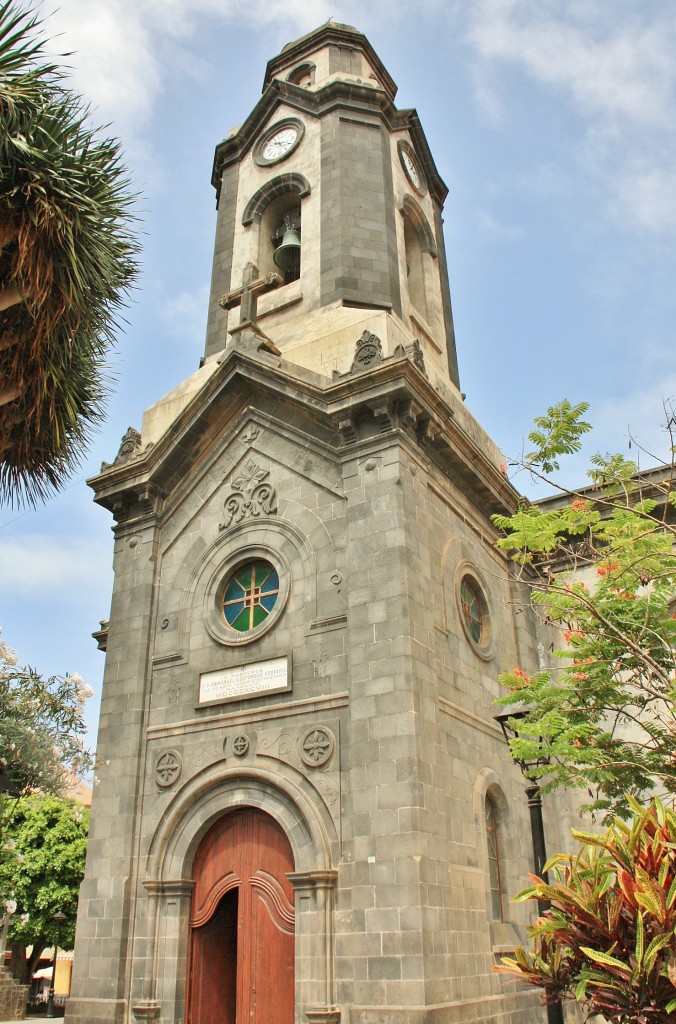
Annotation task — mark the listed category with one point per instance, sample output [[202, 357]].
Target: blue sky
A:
[[553, 122]]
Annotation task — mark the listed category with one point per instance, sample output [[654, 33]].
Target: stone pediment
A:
[[335, 414]]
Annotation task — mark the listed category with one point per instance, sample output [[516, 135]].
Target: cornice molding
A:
[[336, 94], [394, 393]]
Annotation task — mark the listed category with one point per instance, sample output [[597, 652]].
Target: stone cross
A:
[[246, 297]]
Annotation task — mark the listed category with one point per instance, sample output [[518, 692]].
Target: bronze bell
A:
[[287, 255]]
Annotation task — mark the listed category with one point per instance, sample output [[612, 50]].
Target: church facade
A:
[[306, 811]]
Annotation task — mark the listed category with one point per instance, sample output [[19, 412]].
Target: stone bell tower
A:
[[305, 810]]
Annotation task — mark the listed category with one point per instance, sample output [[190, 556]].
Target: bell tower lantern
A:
[[331, 193]]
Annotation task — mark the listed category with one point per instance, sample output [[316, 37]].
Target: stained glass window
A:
[[250, 595], [471, 610], [492, 824]]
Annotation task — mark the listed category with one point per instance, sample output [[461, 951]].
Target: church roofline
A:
[[393, 392], [340, 35]]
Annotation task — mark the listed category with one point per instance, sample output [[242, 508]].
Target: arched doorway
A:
[[241, 958]]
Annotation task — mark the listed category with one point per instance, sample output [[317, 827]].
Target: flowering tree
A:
[[601, 566], [41, 730], [609, 939], [47, 838]]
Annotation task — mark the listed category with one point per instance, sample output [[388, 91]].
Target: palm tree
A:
[[68, 256]]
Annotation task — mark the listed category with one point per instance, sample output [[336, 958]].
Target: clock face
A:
[[279, 144], [411, 167], [278, 141]]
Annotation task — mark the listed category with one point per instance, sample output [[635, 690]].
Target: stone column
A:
[[314, 947]]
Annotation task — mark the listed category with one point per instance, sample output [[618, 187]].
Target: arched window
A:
[[280, 238], [303, 75], [419, 247], [494, 858], [415, 273], [276, 210]]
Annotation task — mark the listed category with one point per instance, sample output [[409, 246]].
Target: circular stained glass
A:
[[471, 605], [250, 595]]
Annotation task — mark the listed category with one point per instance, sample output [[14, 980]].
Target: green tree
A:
[[48, 837], [609, 939], [41, 732], [600, 563], [68, 257]]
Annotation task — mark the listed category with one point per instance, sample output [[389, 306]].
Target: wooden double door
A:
[[241, 957]]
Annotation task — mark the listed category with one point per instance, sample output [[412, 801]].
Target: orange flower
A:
[[578, 504]]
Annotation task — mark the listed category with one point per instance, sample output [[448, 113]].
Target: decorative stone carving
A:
[[251, 434], [417, 357], [252, 495], [130, 446], [317, 746], [328, 790], [319, 663], [369, 352], [240, 745], [168, 768]]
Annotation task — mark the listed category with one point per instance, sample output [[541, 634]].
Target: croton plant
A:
[[608, 938]]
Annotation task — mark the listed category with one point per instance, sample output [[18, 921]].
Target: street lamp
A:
[[58, 919], [554, 1010]]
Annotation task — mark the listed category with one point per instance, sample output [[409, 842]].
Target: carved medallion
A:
[[240, 745], [168, 768], [368, 352], [131, 445], [317, 746]]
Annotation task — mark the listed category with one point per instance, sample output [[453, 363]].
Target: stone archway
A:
[[163, 935]]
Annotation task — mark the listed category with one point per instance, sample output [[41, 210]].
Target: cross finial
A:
[[246, 297]]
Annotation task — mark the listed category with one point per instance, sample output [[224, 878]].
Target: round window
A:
[[474, 615], [250, 594], [471, 610]]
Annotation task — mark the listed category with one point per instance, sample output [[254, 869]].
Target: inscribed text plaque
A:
[[244, 681]]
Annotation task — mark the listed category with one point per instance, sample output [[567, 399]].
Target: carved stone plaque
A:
[[245, 681]]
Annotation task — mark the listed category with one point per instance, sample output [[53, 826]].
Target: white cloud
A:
[[614, 65], [42, 565], [648, 194], [623, 70], [119, 47]]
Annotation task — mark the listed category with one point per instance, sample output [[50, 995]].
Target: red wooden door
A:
[[242, 924]]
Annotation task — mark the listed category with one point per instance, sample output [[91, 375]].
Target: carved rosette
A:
[[130, 446], [252, 495], [168, 767], [317, 746], [240, 745], [369, 352]]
